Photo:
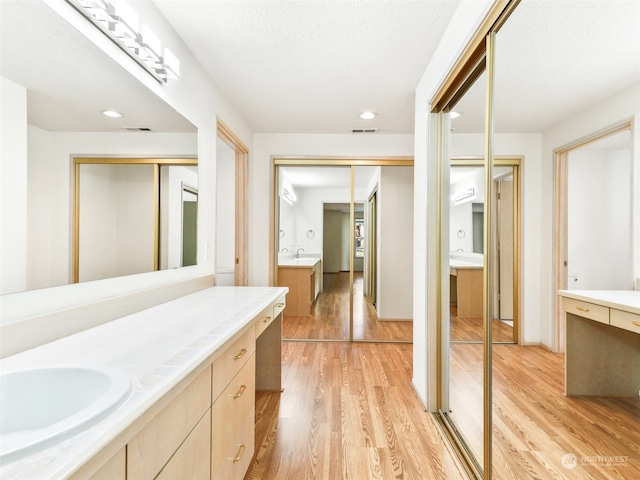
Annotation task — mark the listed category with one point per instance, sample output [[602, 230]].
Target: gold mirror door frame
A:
[[154, 198], [477, 58], [367, 203]]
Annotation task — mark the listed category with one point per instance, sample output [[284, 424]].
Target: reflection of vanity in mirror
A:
[[50, 127]]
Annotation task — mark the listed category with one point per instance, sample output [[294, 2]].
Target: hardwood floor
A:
[[330, 316], [467, 329], [535, 425], [348, 411]]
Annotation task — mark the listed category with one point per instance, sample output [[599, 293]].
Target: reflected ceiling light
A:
[[453, 114], [118, 21], [368, 115], [111, 113]]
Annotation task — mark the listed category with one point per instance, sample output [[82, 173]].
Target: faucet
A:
[[298, 252]]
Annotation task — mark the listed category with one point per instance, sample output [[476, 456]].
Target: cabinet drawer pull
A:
[[240, 391], [267, 319], [582, 309], [637, 324], [240, 454], [279, 305], [240, 355]]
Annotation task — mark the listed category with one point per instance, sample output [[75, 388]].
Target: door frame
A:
[[560, 221], [225, 134]]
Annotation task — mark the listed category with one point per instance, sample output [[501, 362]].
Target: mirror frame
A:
[[155, 161]]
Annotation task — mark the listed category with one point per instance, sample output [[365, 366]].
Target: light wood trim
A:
[[487, 364], [304, 161], [136, 160], [241, 185], [467, 66]]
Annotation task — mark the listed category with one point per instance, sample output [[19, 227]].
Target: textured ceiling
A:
[[313, 66], [555, 58]]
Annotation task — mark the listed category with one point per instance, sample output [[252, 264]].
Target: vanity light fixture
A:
[[111, 113], [368, 115], [118, 21], [458, 197], [453, 114]]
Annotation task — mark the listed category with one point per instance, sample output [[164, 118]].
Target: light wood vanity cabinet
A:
[[151, 450], [232, 426], [303, 282], [203, 429], [114, 469]]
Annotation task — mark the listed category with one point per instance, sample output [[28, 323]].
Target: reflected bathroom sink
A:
[[43, 406]]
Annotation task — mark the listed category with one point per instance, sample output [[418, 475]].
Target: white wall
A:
[[267, 146], [116, 221], [395, 244], [13, 171], [599, 220], [225, 208]]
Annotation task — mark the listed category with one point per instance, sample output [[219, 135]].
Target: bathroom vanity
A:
[[465, 283], [602, 356], [303, 277], [195, 363]]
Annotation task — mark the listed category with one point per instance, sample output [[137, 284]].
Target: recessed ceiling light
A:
[[111, 113], [453, 114], [368, 115]]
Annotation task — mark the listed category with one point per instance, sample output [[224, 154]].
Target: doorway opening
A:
[[231, 223], [593, 213]]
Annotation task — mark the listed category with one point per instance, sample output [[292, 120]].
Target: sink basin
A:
[[43, 406]]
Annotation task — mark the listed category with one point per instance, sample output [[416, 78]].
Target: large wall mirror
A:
[[344, 234], [66, 81], [545, 76]]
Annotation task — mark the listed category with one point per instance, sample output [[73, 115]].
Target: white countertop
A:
[[464, 264], [159, 347], [626, 300], [298, 262]]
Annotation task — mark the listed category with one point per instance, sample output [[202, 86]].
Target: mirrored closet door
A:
[[344, 248]]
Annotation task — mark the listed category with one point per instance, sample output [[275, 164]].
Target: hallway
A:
[[329, 319]]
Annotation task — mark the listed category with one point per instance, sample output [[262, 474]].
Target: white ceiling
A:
[[327, 177], [312, 66]]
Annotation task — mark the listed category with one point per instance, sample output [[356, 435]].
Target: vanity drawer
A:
[[233, 424], [586, 310], [264, 320], [627, 320], [231, 361]]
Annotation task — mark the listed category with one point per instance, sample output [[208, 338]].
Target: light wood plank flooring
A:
[[348, 411], [329, 319], [535, 425], [469, 329]]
